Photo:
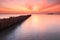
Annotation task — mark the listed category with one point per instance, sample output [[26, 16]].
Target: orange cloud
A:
[[55, 8], [15, 10], [27, 6], [34, 9], [6, 10]]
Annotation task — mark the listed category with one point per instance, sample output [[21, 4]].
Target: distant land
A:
[[56, 13]]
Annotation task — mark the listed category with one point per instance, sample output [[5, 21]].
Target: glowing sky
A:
[[26, 5]]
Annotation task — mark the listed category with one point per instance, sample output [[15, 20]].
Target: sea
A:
[[36, 27]]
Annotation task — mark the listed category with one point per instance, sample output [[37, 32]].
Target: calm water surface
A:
[[37, 27]]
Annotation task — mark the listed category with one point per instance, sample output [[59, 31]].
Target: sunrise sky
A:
[[28, 6]]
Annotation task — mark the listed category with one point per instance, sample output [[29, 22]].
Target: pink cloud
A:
[[28, 4]]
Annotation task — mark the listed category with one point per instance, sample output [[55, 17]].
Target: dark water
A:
[[37, 27]]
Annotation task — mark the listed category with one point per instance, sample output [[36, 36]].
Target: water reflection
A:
[[38, 27], [46, 25]]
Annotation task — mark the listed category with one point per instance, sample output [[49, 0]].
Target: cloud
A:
[[55, 8], [54, 1], [28, 2], [32, 5]]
